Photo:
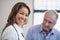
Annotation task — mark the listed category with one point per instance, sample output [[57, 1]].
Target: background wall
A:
[[5, 8]]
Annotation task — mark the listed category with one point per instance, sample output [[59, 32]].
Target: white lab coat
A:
[[11, 34]]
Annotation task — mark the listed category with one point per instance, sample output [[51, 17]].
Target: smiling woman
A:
[[22, 16], [17, 18]]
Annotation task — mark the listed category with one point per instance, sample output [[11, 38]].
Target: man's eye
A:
[[50, 22], [45, 19]]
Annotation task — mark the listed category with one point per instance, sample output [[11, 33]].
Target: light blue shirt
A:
[[36, 33]]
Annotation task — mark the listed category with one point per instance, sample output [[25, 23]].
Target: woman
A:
[[17, 18]]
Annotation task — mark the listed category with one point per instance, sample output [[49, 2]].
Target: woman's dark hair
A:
[[15, 9]]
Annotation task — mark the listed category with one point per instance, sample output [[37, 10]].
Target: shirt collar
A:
[[41, 30], [19, 29]]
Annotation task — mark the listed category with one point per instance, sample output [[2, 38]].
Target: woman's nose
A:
[[23, 16]]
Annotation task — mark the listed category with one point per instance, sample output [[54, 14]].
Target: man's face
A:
[[48, 22]]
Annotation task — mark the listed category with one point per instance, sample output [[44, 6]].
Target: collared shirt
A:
[[36, 33], [11, 34]]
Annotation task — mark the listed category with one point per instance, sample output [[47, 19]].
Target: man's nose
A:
[[46, 23]]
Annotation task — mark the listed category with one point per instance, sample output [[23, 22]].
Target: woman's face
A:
[[22, 16]]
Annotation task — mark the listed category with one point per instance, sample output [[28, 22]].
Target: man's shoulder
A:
[[35, 28], [57, 32]]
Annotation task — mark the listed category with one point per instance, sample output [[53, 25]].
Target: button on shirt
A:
[[36, 33]]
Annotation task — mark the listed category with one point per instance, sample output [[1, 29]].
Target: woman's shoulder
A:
[[9, 30]]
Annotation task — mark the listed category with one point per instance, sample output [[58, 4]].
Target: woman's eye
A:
[[26, 15], [22, 13]]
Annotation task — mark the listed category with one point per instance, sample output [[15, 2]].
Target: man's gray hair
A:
[[52, 12]]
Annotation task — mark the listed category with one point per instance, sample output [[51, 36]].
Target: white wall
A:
[[5, 8]]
